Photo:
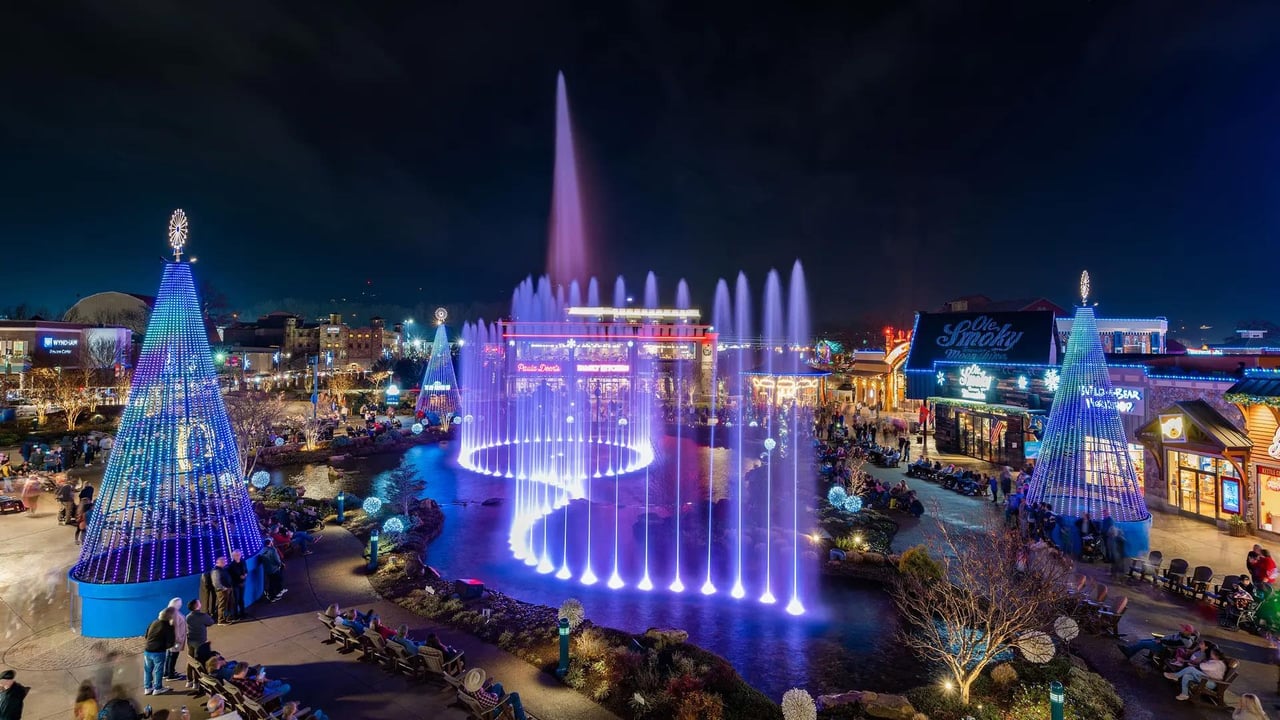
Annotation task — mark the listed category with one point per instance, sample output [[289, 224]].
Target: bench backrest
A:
[[1177, 566]]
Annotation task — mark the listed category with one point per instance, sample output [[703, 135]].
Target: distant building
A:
[[340, 345], [27, 345], [1248, 342], [1125, 336], [982, 303], [113, 308]]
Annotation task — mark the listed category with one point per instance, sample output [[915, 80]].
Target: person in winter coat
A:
[[273, 569], [160, 637], [179, 642], [12, 696]]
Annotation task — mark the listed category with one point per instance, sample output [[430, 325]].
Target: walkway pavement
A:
[[1147, 695], [37, 641]]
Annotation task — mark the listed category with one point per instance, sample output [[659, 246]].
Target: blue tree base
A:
[[1137, 537]]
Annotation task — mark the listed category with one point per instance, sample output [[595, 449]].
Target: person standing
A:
[[1267, 570], [31, 495], [273, 569], [12, 696], [159, 638], [86, 707], [993, 483], [82, 522], [222, 588], [66, 500], [1251, 562], [1006, 482], [86, 496], [179, 641], [198, 624], [236, 568]]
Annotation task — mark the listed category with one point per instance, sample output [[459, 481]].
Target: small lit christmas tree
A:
[[438, 398], [172, 499], [1084, 463]]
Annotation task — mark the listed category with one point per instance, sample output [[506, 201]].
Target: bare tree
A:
[[401, 488], [253, 413], [69, 389], [340, 383], [310, 428], [993, 594], [102, 353]]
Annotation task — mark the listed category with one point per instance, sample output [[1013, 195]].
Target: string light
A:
[[371, 505], [172, 499], [261, 479], [1084, 463]]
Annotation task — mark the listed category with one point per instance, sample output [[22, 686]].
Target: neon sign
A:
[[524, 367], [437, 387], [59, 346], [1125, 400], [974, 383], [603, 368]]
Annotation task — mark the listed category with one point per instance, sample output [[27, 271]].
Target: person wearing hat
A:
[[1186, 638], [490, 694], [12, 695]]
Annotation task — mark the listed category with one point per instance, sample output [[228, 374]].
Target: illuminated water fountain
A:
[[642, 444]]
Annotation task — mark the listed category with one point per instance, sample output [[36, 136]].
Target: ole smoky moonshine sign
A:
[[986, 338]]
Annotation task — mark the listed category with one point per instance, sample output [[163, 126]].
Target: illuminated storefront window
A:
[[1203, 485]]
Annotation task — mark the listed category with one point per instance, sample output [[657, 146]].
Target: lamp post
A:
[[563, 668], [315, 388], [1057, 696], [342, 506], [373, 553]]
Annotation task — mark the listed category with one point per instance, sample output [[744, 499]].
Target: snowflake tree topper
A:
[[1084, 288], [178, 231]]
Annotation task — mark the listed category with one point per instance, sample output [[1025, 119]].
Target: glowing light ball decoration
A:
[[172, 499], [1084, 463], [371, 506], [837, 495], [393, 525], [852, 504], [261, 479], [417, 428]]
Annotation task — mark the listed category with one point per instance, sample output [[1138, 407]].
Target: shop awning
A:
[[1255, 390], [1212, 427]]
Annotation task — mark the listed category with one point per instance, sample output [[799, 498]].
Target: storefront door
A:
[[1195, 483]]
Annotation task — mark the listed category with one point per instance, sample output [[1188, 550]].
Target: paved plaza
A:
[[52, 660]]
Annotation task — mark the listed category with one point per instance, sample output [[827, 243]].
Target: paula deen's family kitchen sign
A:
[[1021, 338]]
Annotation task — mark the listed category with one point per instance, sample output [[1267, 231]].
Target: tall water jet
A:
[[721, 318], [567, 257], [797, 340], [773, 336], [742, 333], [651, 290], [620, 292]]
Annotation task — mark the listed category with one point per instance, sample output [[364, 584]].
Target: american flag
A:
[[997, 432]]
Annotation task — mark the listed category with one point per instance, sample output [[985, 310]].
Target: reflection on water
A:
[[843, 642]]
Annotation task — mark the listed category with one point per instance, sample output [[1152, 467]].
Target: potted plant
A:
[[1237, 527]]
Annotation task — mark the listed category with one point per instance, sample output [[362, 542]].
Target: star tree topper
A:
[[1084, 286], [178, 230]]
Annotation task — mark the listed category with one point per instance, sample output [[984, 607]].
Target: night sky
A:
[[907, 152]]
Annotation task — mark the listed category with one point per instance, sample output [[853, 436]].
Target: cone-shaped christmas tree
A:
[[172, 499], [1084, 464], [438, 399]]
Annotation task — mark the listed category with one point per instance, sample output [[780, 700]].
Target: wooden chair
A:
[[374, 647], [1109, 620], [332, 626], [433, 662], [482, 710], [267, 707], [346, 636], [1151, 566], [1174, 576], [1217, 694], [406, 662]]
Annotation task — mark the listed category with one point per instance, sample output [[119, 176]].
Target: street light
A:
[[373, 553], [1057, 696], [563, 668]]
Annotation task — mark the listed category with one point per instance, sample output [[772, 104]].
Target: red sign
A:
[[1270, 477], [548, 368]]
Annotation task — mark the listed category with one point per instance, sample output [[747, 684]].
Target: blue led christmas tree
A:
[[1084, 463], [438, 399], [172, 499]]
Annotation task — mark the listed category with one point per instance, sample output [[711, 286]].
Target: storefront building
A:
[[988, 378], [1201, 458], [1258, 397]]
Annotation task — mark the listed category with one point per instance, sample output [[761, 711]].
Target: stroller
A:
[[1091, 548]]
